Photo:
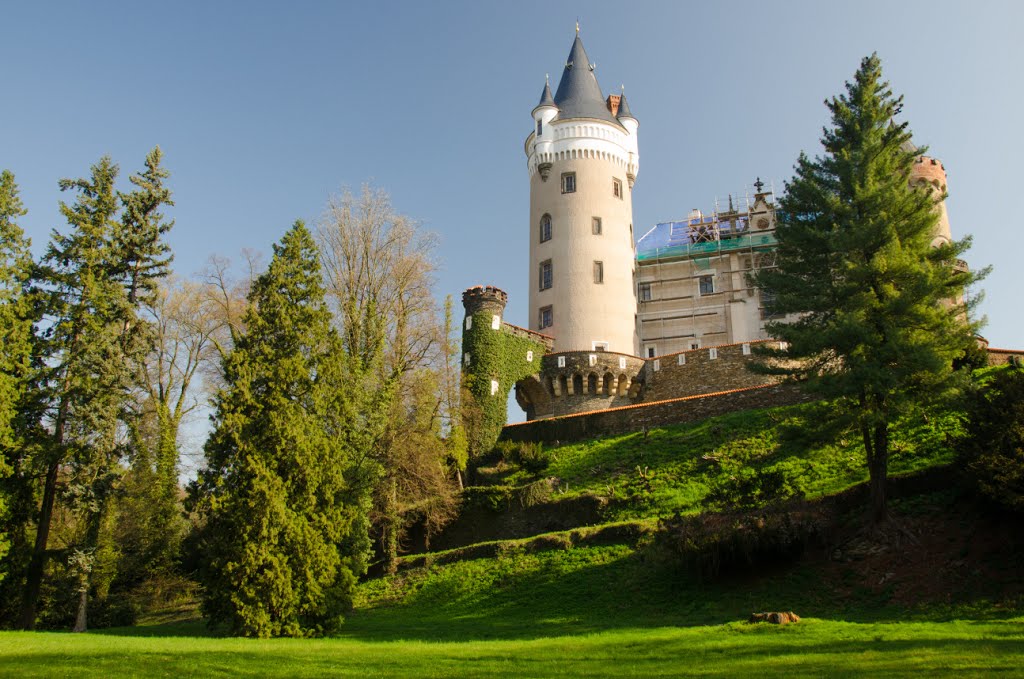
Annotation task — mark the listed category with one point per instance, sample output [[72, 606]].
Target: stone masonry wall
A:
[[695, 372], [1003, 356], [636, 417]]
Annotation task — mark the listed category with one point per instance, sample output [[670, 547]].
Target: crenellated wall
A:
[[571, 382], [702, 371], [580, 381]]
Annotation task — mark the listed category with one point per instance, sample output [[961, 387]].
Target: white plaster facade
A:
[[585, 313]]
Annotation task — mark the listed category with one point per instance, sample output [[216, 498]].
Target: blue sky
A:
[[264, 109]]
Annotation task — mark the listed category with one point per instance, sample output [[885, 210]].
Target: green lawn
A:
[[812, 647]]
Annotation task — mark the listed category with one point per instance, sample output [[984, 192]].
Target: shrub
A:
[[526, 454], [994, 449], [749, 488]]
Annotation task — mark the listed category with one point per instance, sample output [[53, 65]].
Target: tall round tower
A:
[[930, 172], [582, 158]]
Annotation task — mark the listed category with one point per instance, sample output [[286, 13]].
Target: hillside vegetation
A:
[[754, 457], [613, 599]]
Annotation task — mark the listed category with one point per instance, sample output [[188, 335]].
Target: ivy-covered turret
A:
[[495, 355]]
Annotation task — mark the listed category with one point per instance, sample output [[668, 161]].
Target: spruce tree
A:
[[16, 319], [285, 533], [878, 326], [143, 258], [86, 377]]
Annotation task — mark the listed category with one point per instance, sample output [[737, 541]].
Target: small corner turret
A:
[[495, 355]]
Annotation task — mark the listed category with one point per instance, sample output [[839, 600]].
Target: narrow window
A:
[[545, 274], [561, 363], [545, 319], [469, 322], [596, 226], [598, 272], [545, 228], [494, 387], [495, 322], [643, 292], [768, 301], [681, 359], [713, 353], [569, 182], [617, 188], [746, 349], [540, 128], [707, 285], [651, 351]]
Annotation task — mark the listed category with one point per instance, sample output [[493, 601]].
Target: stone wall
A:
[[657, 414], [1003, 356], [701, 371]]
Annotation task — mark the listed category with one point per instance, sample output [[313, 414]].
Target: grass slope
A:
[[674, 469]]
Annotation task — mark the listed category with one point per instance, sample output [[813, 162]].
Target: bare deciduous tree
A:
[[379, 274]]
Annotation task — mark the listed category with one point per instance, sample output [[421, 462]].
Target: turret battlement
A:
[[484, 298], [929, 170]]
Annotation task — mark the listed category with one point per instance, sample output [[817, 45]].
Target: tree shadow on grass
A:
[[633, 591], [195, 627]]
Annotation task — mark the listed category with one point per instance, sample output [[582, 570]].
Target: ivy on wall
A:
[[493, 355]]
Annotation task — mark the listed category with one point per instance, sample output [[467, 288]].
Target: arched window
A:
[[577, 384], [545, 228]]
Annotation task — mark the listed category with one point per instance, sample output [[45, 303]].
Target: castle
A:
[[617, 321]]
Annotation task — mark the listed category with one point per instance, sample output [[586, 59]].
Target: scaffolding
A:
[[701, 239]]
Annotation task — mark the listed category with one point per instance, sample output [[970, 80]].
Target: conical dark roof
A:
[[545, 97], [624, 111], [579, 95]]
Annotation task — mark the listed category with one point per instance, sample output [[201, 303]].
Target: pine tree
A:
[[285, 531], [16, 319], [878, 330]]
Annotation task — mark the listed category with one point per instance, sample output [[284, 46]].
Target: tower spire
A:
[[578, 94]]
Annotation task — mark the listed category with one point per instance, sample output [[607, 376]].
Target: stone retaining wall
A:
[[658, 414]]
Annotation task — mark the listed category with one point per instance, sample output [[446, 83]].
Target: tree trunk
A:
[[878, 467], [83, 607], [36, 566], [391, 526]]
